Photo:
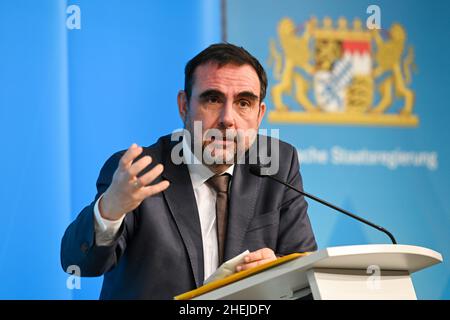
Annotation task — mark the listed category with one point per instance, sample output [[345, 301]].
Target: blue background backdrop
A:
[[70, 98]]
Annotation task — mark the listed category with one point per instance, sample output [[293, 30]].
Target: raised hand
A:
[[127, 190]]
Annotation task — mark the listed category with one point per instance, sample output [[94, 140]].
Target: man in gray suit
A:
[[158, 227]]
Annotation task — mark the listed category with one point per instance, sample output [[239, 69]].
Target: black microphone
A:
[[261, 172]]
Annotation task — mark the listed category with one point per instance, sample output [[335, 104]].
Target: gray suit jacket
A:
[[158, 252]]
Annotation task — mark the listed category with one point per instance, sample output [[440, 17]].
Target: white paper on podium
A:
[[227, 268]]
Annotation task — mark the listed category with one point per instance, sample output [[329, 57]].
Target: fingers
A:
[[261, 254], [130, 171], [250, 265], [149, 190], [127, 191], [139, 165], [151, 175], [257, 258], [131, 154], [155, 189]]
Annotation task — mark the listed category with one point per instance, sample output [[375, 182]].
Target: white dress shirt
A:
[[205, 196]]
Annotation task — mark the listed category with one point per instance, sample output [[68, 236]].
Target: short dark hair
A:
[[223, 54]]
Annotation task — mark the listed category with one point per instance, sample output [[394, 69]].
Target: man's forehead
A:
[[211, 75]]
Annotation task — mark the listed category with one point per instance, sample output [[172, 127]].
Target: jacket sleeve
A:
[[295, 233], [78, 247]]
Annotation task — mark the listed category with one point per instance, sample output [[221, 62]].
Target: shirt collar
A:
[[198, 171]]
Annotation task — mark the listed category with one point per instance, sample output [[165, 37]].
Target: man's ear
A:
[[262, 111], [182, 105]]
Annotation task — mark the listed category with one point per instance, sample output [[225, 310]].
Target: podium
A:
[[380, 271]]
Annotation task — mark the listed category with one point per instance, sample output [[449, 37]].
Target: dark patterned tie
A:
[[220, 185]]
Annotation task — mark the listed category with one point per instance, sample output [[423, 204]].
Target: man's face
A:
[[226, 99]]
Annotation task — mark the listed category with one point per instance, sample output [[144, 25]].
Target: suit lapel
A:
[[181, 201], [244, 191]]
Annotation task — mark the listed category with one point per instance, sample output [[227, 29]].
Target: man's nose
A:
[[227, 116]]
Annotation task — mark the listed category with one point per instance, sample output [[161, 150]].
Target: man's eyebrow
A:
[[214, 92], [211, 92], [248, 94]]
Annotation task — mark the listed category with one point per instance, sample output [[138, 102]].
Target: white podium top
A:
[[291, 275], [387, 256]]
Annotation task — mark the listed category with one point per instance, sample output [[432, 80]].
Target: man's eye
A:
[[244, 104], [213, 100]]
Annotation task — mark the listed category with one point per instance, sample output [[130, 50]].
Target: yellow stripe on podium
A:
[[236, 277]]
